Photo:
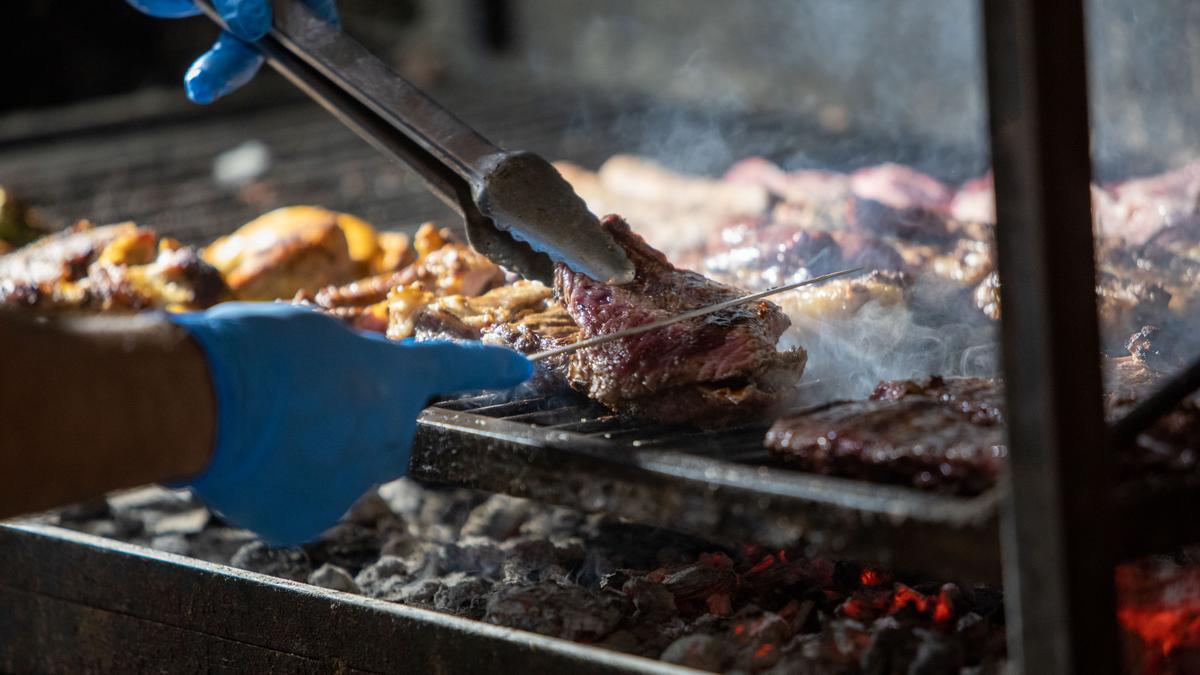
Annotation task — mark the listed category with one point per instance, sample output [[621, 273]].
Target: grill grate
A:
[[152, 161], [156, 167], [570, 451]]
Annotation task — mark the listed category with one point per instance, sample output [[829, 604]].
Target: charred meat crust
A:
[[650, 373], [944, 434]]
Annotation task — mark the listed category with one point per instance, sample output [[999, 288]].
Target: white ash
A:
[[334, 578], [590, 578], [288, 563]]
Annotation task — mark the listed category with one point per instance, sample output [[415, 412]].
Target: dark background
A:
[[61, 51], [899, 75]]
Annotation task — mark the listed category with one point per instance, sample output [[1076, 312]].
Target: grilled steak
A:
[[948, 434], [714, 370], [936, 433]]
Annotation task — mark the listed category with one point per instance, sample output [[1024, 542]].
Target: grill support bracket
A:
[[1057, 540]]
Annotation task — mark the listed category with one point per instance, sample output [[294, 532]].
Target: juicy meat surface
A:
[[936, 433], [948, 434], [712, 370], [114, 268], [522, 316]]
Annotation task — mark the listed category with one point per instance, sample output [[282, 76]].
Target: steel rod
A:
[[1055, 526], [684, 316]]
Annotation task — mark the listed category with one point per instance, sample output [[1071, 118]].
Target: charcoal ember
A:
[[433, 514], [949, 604], [759, 637], [217, 544], [401, 545], [421, 593], [622, 641], [986, 601], [536, 559], [936, 654], [335, 578], [384, 577], [171, 543], [552, 522], [499, 517], [843, 644], [462, 595], [777, 574], [347, 545], [652, 600], [702, 652], [370, 510], [555, 609], [891, 648], [120, 526], [981, 640], [711, 574], [288, 562], [84, 511], [402, 496], [476, 556], [186, 522]]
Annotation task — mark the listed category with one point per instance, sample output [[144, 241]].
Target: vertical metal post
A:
[[1056, 528]]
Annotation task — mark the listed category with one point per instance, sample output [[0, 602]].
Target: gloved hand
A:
[[311, 414], [231, 62]]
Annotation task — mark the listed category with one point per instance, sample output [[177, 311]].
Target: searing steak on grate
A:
[[934, 433], [710, 371], [948, 434]]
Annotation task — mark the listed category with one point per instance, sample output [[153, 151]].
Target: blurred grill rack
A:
[[150, 156]]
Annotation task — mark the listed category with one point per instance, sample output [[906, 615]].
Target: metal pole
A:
[[1056, 526]]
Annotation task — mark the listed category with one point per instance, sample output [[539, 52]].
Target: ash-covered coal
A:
[[596, 580]]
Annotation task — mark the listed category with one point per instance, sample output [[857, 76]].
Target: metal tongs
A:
[[518, 210]]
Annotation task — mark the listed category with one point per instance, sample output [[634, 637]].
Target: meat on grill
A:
[[948, 434], [936, 433], [713, 370], [115, 268], [440, 266]]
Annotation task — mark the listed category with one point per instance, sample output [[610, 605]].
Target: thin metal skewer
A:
[[690, 314]]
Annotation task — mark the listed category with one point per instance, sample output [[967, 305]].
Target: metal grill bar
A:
[[1058, 552], [720, 485]]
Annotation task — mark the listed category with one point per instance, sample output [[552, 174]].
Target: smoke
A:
[[886, 340]]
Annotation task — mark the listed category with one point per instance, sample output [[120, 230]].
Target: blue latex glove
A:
[[231, 62], [311, 414]]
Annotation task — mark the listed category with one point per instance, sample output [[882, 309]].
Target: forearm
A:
[[89, 405]]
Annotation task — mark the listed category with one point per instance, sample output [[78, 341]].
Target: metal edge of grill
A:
[[723, 493], [188, 608], [720, 486]]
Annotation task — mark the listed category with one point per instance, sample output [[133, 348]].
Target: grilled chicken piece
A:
[[289, 250], [466, 318], [388, 302], [522, 316], [715, 370], [113, 268]]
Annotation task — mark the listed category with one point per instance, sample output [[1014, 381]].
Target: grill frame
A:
[[34, 152], [66, 607], [726, 499]]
